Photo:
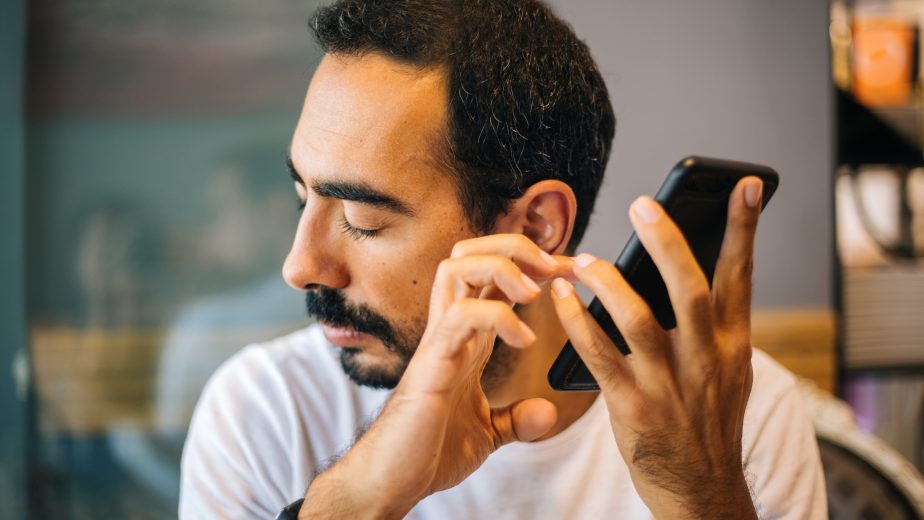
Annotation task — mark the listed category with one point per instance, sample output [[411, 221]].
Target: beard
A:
[[331, 308]]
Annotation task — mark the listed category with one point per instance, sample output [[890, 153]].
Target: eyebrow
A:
[[355, 192]]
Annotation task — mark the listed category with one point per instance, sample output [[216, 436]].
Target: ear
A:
[[545, 214]]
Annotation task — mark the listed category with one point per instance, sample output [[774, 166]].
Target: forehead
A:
[[372, 119]]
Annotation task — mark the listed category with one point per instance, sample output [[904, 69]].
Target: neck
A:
[[528, 379]]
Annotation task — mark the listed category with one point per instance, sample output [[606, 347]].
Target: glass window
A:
[[159, 212]]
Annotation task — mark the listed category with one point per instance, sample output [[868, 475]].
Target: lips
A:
[[343, 336]]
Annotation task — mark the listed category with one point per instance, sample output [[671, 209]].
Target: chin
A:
[[374, 371]]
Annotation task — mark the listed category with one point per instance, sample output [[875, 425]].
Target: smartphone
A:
[[695, 195]]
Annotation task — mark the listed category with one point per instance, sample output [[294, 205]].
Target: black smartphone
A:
[[695, 195]]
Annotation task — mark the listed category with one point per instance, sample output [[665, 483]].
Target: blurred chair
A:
[[865, 478]]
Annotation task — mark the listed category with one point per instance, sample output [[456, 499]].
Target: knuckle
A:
[[697, 299], [600, 267], [638, 321], [608, 271], [508, 269], [496, 315], [744, 219], [735, 346], [597, 352], [445, 267], [470, 305], [502, 426], [494, 267], [460, 309], [501, 311], [743, 268], [595, 346], [602, 271], [481, 310], [504, 273], [522, 241], [741, 354], [460, 248], [446, 270], [499, 264]]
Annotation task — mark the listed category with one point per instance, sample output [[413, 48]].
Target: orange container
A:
[[883, 54]]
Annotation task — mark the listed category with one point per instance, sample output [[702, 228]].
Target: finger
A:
[[464, 277], [565, 270], [629, 311], [686, 284], [732, 281], [535, 262], [523, 421], [469, 316], [605, 362], [493, 293]]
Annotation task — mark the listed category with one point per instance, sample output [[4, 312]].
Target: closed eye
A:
[[355, 232]]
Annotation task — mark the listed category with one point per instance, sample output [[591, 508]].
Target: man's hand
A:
[[438, 427], [677, 402]]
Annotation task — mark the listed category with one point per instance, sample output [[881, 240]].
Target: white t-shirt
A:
[[276, 412]]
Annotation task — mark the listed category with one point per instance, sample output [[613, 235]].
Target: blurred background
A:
[[147, 211]]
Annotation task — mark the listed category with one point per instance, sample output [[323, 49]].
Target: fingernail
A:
[[562, 288], [547, 258], [528, 334], [584, 259], [530, 284], [647, 209], [752, 193]]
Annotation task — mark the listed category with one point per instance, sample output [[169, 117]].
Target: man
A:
[[447, 158]]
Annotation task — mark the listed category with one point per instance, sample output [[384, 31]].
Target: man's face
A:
[[380, 210]]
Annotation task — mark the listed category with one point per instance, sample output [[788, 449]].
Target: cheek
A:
[[399, 280], [404, 285]]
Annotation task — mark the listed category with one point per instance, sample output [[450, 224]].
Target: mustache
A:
[[330, 307]]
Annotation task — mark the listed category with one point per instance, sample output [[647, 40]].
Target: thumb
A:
[[525, 420]]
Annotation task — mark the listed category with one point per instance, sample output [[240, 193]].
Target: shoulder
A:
[[779, 446], [771, 380], [774, 394]]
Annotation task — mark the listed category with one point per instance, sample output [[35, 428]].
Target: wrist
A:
[[717, 496], [733, 501], [338, 493]]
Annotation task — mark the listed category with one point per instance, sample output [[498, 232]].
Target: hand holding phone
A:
[[676, 405], [696, 196]]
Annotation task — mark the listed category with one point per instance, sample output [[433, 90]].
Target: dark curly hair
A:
[[526, 101]]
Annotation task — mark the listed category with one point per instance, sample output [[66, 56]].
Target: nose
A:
[[313, 260]]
